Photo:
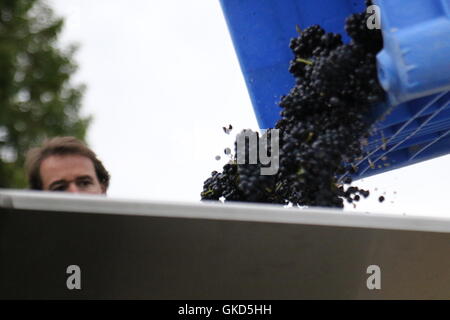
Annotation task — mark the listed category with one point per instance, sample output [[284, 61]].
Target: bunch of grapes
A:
[[324, 121]]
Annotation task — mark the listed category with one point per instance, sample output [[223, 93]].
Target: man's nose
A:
[[73, 188]]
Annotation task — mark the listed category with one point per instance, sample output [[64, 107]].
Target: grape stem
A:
[[207, 192], [304, 61]]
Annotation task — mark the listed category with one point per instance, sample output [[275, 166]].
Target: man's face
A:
[[70, 173]]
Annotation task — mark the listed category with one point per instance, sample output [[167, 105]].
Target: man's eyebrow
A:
[[84, 177]]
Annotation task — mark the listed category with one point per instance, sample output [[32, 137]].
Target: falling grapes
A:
[[323, 124]]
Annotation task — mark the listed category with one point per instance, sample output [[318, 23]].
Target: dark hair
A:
[[61, 146]]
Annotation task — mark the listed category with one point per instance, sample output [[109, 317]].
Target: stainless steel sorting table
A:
[[155, 250]]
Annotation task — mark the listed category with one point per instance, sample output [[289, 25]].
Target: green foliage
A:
[[37, 99]]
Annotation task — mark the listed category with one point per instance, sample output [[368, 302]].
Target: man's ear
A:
[[103, 188]]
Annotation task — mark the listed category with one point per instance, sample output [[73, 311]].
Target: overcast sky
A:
[[162, 79]]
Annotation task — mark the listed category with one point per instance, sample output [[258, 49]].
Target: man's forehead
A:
[[68, 160], [56, 167]]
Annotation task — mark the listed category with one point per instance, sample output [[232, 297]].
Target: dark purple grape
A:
[[323, 121]]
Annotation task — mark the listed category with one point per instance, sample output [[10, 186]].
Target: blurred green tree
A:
[[37, 98]]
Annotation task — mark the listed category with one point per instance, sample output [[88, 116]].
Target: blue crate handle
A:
[[415, 60]]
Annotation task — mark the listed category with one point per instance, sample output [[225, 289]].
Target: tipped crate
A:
[[413, 124]]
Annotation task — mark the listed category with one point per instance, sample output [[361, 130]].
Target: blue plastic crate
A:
[[413, 125]]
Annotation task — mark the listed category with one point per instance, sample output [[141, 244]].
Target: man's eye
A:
[[85, 183]]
